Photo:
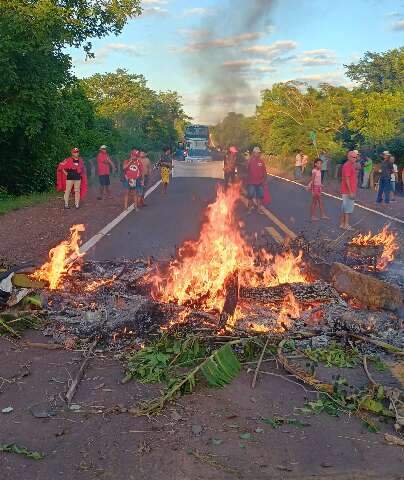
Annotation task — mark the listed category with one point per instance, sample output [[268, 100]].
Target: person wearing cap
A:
[[230, 166], [104, 165], [132, 180], [386, 170], [257, 175], [349, 186], [76, 179]]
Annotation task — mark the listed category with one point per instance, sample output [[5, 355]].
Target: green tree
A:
[[379, 71], [42, 105], [144, 117], [377, 117]]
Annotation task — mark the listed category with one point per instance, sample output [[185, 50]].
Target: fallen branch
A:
[[302, 374], [254, 380], [393, 440], [46, 346], [75, 383], [379, 343], [365, 367]]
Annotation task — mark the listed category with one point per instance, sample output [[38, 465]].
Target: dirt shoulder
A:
[[28, 234], [212, 434]]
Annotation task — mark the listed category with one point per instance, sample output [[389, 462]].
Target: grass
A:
[[9, 203]]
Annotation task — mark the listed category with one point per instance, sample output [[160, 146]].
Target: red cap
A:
[[75, 150], [233, 149]]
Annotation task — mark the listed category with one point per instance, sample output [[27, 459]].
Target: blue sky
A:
[[310, 40]]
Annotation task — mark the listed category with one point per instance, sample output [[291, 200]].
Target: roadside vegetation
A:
[[46, 110], [367, 117]]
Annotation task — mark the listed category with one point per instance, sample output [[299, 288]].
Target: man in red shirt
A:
[[349, 186], [104, 164], [257, 174]]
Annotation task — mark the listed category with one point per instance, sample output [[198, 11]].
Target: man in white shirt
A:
[[394, 179]]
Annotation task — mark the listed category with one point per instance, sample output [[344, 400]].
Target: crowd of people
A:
[[136, 170]]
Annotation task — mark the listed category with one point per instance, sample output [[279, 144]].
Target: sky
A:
[[192, 46]]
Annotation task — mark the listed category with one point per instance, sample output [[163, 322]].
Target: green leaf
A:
[[371, 405], [245, 436]]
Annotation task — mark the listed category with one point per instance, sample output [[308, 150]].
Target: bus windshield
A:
[[197, 131]]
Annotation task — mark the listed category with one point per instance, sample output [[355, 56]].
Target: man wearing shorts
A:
[[104, 164], [257, 175], [349, 186]]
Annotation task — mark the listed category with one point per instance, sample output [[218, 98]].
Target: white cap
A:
[[103, 147], [256, 150], [386, 152]]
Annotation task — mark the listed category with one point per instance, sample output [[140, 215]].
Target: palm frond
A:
[[219, 369]]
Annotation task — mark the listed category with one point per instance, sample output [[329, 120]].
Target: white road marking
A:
[[394, 219], [98, 236]]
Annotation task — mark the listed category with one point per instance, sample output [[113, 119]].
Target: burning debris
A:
[[60, 259], [374, 252]]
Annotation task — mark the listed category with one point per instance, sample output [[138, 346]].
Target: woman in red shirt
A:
[[132, 181]]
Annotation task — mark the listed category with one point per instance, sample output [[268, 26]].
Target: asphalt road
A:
[[169, 220]]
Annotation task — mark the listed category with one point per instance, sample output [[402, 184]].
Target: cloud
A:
[[155, 11], [225, 42], [335, 78], [111, 48], [197, 11], [273, 50], [321, 56], [398, 26]]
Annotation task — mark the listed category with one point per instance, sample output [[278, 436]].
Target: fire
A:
[[58, 264], [290, 310], [384, 238], [197, 278], [96, 284]]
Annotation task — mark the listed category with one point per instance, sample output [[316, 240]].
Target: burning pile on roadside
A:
[[217, 283]]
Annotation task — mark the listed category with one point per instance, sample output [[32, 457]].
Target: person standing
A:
[[146, 171], [166, 166], [324, 166], [367, 169], [315, 186], [394, 179], [349, 186], [230, 166], [298, 165], [385, 179], [257, 176], [132, 170], [104, 165], [76, 179], [305, 161]]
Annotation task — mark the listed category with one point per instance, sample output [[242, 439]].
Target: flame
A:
[[58, 263], [197, 278], [384, 238], [96, 284], [290, 310]]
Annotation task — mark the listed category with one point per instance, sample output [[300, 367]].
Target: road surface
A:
[[170, 219]]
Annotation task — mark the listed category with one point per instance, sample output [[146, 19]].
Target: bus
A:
[[197, 143]]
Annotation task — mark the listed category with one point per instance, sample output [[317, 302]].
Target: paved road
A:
[[169, 220]]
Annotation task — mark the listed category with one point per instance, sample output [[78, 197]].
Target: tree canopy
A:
[[45, 110]]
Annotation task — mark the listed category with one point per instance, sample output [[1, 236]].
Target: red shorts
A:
[[316, 190]]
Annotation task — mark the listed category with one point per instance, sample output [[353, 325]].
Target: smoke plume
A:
[[218, 54]]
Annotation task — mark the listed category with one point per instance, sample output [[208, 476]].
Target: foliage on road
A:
[[369, 116], [14, 448], [46, 110]]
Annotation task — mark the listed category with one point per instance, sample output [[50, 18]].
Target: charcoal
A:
[[303, 292]]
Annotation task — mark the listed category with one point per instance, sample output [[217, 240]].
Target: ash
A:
[[111, 301]]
